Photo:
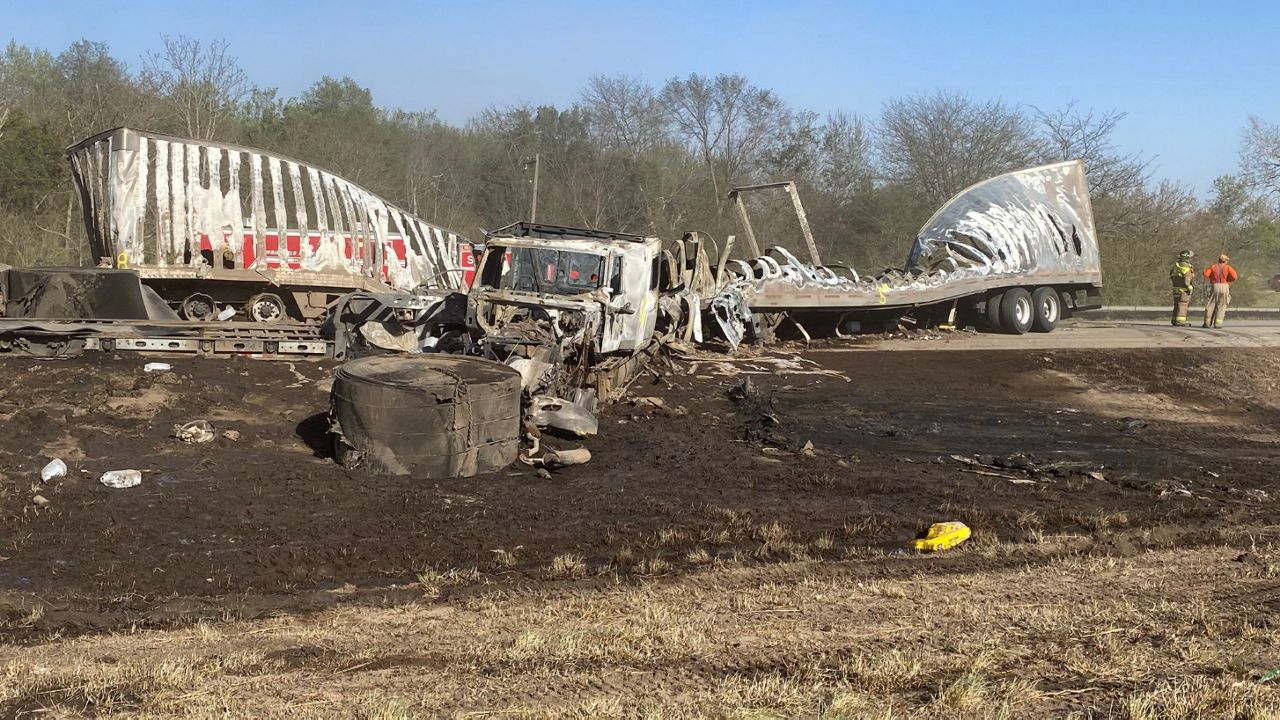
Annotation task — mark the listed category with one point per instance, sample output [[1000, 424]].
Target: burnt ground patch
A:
[[1184, 444]]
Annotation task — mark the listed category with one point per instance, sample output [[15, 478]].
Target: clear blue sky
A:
[[1188, 74]]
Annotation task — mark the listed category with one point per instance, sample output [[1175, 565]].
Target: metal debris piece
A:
[[194, 432], [121, 478], [55, 469], [153, 367], [565, 458], [547, 411], [730, 310]]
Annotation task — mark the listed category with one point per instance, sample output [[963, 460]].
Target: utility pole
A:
[[537, 165]]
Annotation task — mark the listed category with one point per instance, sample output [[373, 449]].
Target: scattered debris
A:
[[40, 501], [194, 432], [807, 449], [742, 390], [880, 429], [157, 367], [232, 435], [555, 458], [55, 469], [943, 536], [654, 402], [121, 478], [544, 473], [1175, 489], [1134, 423], [760, 420], [1257, 495], [227, 313], [547, 411], [1030, 467]]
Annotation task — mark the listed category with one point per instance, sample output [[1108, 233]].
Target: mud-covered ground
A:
[[1064, 454]]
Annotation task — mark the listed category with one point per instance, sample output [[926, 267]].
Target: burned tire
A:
[[1048, 309], [198, 306], [993, 311], [1017, 312], [265, 308], [428, 416]]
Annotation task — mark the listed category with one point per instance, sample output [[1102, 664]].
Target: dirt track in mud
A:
[[1181, 445]]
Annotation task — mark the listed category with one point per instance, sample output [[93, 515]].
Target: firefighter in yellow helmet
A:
[[1181, 275]]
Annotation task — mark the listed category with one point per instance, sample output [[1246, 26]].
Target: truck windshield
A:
[[559, 272]]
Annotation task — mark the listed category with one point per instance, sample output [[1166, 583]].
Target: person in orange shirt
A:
[[1221, 275]]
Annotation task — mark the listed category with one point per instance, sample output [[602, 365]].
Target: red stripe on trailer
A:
[[293, 249]]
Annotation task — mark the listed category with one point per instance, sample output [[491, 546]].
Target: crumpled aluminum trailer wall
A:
[[165, 205], [1031, 227]]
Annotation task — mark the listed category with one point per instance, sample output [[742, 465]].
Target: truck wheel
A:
[[198, 306], [1048, 309], [1017, 312], [266, 308], [993, 312]]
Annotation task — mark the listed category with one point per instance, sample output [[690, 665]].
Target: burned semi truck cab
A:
[[577, 290]]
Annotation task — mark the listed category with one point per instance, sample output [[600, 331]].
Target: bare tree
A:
[[625, 112], [1071, 133], [202, 84], [945, 142], [96, 91], [845, 155], [1260, 156], [727, 121]]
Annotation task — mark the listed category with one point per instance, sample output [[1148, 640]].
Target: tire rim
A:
[[1022, 311], [198, 307], [266, 310], [1050, 308]]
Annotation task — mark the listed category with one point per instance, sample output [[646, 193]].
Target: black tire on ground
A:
[[1048, 309], [428, 416], [1017, 312], [993, 311]]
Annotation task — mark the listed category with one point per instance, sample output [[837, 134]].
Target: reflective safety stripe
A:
[[1179, 275]]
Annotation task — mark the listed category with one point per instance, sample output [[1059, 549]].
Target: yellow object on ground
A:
[[943, 536]]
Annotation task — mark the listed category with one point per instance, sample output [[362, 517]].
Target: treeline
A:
[[631, 156]]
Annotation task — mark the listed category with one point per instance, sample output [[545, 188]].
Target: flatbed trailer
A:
[[1018, 250]]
